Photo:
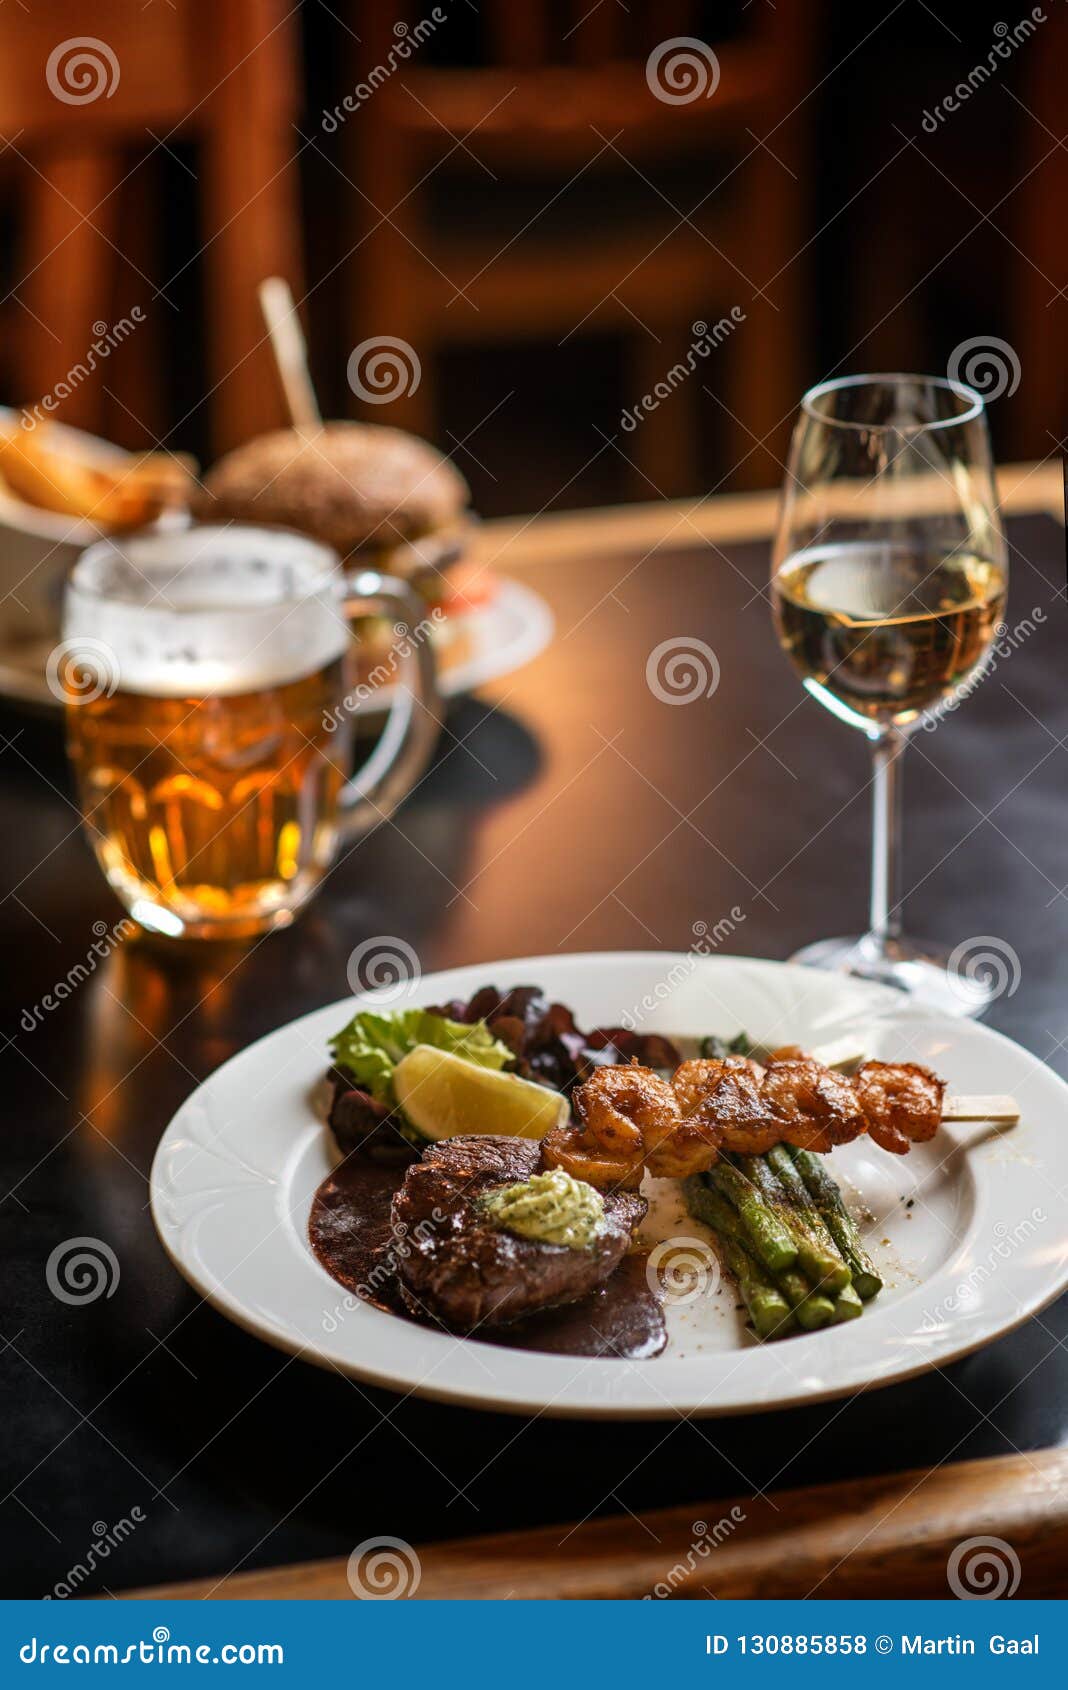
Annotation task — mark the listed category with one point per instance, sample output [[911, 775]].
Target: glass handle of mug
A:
[[407, 741]]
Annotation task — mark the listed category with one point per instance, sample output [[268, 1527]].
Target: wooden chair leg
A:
[[766, 354], [389, 282], [66, 263], [250, 210], [1038, 328], [390, 354], [250, 233], [662, 445], [135, 399]]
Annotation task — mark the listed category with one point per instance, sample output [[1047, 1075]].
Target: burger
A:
[[383, 499]]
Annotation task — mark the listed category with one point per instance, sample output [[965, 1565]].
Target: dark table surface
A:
[[569, 809]]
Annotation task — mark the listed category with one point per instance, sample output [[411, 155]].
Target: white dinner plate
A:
[[510, 630], [970, 1230]]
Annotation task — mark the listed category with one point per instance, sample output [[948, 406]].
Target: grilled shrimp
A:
[[622, 1115], [629, 1118], [723, 1100], [815, 1107], [672, 1139], [902, 1102], [627, 1107], [694, 1081], [689, 1149], [578, 1153]]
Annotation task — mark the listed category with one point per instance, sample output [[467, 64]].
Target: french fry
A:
[[125, 495]]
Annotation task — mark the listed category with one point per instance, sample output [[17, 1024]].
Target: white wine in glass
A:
[[889, 580]]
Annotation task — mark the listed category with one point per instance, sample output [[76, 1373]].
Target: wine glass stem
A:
[[885, 916]]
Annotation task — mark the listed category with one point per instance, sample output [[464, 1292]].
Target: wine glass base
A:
[[921, 973]]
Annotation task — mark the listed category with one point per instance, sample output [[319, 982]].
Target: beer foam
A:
[[206, 612]]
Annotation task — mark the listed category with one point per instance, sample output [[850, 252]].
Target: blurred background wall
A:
[[548, 217]]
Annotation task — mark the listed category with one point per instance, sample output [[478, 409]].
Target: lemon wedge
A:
[[444, 1095]]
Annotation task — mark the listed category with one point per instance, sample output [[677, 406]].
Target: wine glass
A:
[[888, 581]]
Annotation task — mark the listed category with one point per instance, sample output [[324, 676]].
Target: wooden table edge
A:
[[720, 519], [891, 1535]]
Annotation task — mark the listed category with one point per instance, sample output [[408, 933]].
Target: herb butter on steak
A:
[[464, 1271]]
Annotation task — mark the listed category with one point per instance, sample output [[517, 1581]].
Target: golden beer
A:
[[220, 811], [202, 673]]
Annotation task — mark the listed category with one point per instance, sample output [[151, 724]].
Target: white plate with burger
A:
[[60, 490], [382, 499], [474, 1205]]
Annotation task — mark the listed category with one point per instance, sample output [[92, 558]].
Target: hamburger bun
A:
[[357, 487]]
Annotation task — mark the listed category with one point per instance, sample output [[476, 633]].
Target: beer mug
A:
[[209, 721]]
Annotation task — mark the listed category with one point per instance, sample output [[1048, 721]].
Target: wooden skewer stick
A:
[[290, 353], [843, 1054], [999, 1110]]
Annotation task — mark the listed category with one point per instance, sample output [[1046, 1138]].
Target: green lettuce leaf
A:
[[371, 1045]]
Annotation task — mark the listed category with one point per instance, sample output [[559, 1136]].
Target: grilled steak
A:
[[456, 1266]]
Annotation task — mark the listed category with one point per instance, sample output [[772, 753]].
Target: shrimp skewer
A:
[[630, 1118], [624, 1113]]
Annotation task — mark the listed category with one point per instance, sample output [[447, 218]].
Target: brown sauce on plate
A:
[[349, 1231]]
